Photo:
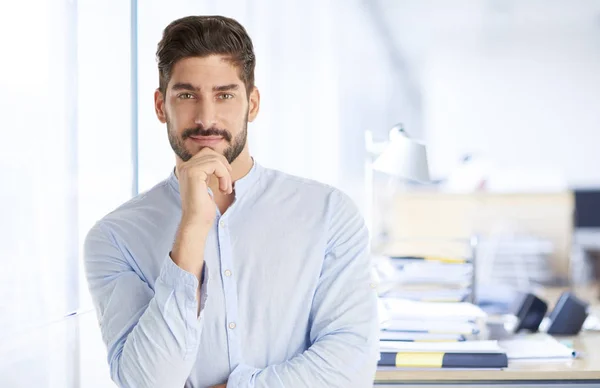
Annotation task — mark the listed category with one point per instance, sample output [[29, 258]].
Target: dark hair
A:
[[201, 36]]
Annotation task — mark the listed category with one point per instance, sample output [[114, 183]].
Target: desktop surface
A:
[[585, 368], [582, 371]]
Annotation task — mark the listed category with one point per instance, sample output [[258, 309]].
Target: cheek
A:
[[232, 113], [181, 116]]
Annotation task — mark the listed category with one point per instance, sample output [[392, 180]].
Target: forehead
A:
[[205, 71]]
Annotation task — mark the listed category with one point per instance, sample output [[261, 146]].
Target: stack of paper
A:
[[407, 320], [425, 319], [401, 309], [446, 347], [429, 294], [427, 278]]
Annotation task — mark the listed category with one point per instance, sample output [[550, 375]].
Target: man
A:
[[228, 272]]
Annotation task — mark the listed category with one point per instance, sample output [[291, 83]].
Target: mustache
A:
[[200, 131]]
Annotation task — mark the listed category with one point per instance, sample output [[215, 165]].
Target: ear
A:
[[253, 104], [159, 106]]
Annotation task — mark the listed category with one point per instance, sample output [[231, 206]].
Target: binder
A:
[[443, 360], [456, 260]]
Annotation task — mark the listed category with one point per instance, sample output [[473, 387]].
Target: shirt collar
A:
[[241, 186]]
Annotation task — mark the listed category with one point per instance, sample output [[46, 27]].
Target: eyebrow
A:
[[225, 88], [184, 86], [192, 88]]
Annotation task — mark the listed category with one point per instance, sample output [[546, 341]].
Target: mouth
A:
[[206, 141]]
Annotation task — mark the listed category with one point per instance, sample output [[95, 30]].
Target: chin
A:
[[216, 149]]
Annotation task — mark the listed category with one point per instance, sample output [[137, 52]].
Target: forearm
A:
[[343, 360], [188, 249]]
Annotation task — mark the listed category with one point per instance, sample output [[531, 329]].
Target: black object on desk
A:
[[587, 217], [530, 313], [587, 208], [568, 315]]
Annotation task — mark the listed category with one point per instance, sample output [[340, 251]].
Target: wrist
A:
[[188, 248], [190, 260], [196, 223]]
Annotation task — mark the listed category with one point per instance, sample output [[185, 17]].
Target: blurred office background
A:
[[505, 94]]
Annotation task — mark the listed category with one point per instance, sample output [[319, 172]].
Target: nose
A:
[[206, 113]]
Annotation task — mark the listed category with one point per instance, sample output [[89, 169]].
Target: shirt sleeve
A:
[[152, 336], [344, 332]]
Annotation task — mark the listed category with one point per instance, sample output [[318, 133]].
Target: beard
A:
[[235, 148]]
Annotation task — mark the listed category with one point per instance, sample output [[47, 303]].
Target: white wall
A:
[[516, 82]]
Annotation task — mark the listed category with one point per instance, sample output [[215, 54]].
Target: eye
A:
[[185, 96], [225, 96]]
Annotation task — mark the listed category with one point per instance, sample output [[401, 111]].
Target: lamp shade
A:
[[403, 158]]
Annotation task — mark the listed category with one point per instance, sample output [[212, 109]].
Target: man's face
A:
[[206, 105]]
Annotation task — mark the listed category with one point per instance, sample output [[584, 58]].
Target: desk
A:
[[581, 372]]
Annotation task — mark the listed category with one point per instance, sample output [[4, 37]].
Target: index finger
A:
[[210, 152]]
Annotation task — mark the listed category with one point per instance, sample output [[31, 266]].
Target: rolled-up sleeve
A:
[[344, 332], [152, 336]]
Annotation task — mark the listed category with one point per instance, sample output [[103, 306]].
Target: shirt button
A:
[[227, 272], [222, 223], [232, 325], [373, 285]]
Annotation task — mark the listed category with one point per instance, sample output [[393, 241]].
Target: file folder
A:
[[443, 360], [456, 260]]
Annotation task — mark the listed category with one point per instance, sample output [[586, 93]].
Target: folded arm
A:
[[344, 324]]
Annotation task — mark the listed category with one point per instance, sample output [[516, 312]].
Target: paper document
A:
[[436, 270], [419, 337], [420, 326], [446, 347], [536, 347], [394, 368], [428, 295], [592, 323], [402, 308]]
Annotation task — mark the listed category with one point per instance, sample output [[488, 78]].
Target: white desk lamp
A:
[[403, 157], [400, 157]]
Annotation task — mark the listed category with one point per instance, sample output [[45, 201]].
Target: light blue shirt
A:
[[286, 301]]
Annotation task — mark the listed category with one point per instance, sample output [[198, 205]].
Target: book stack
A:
[[427, 319], [417, 334]]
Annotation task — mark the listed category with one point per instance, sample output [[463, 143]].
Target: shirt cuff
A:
[[178, 279], [242, 377]]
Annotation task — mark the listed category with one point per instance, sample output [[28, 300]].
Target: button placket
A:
[[230, 292]]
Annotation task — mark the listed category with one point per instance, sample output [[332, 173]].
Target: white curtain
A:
[[38, 199], [65, 160]]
